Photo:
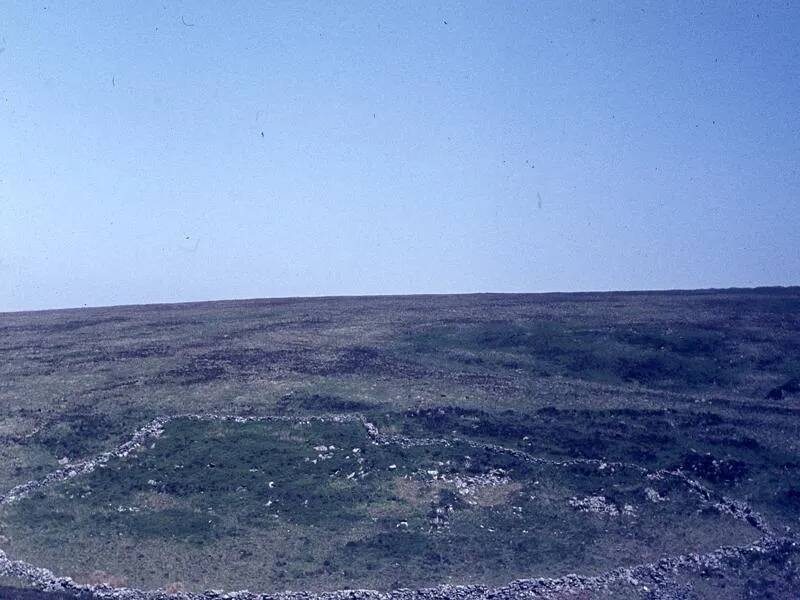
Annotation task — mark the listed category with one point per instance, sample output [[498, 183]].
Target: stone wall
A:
[[640, 576]]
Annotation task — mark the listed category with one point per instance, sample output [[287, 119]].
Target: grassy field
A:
[[319, 506], [671, 380]]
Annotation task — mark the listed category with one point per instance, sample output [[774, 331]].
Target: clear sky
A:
[[176, 151]]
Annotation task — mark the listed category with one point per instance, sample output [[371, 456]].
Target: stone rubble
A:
[[152, 430], [735, 508], [599, 505], [727, 557], [653, 496], [654, 573]]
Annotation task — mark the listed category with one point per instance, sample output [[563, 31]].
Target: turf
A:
[[696, 381], [230, 493]]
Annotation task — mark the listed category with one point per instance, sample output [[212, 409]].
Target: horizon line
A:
[[409, 295]]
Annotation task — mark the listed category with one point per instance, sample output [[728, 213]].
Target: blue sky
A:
[[407, 148]]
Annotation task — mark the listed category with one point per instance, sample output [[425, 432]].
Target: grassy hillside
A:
[[699, 382]]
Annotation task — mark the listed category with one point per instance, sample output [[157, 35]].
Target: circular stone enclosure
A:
[[318, 505]]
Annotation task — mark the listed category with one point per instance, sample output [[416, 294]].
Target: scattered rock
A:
[[653, 496], [594, 504]]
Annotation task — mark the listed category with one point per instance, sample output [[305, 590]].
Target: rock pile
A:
[[599, 505]]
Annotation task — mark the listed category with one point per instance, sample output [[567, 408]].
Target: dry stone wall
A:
[[640, 576]]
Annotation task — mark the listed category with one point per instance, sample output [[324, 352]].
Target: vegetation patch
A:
[[668, 356], [318, 504], [321, 403]]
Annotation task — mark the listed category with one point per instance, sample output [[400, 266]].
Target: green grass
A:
[[494, 368], [209, 489], [674, 357]]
